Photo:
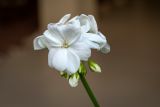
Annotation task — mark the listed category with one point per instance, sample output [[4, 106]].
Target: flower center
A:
[[65, 45]]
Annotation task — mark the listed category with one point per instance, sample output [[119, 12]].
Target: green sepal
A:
[[82, 69], [75, 74], [64, 74]]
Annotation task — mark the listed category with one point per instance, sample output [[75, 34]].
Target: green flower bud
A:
[[82, 69], [94, 66]]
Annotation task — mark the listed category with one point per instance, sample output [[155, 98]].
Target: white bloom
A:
[[69, 42], [66, 47]]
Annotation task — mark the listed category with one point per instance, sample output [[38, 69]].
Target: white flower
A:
[[69, 42], [65, 44]]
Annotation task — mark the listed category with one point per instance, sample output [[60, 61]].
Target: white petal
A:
[[71, 33], [105, 49], [38, 43], [85, 24], [103, 43], [93, 24], [51, 54], [55, 31], [59, 59], [53, 39], [92, 45], [101, 35], [74, 21], [64, 19], [82, 50], [94, 40], [73, 62]]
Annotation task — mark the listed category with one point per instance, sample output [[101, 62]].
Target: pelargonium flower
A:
[[69, 43]]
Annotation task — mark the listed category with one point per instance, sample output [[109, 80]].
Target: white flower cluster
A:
[[69, 42]]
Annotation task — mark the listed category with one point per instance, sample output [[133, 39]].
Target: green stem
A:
[[89, 91]]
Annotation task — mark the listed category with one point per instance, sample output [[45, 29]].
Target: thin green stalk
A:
[[89, 91]]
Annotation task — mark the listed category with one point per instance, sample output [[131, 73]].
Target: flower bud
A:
[[94, 66], [82, 69], [73, 80]]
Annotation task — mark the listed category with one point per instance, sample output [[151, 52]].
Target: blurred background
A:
[[130, 72]]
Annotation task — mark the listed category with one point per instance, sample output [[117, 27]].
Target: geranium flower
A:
[[70, 42]]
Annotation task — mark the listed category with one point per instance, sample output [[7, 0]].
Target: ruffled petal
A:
[[105, 49], [104, 41], [94, 40], [57, 58], [93, 24], [55, 30], [73, 62], [38, 43], [74, 21], [85, 24], [52, 39], [92, 45], [64, 19]]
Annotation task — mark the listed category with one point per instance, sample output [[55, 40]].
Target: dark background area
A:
[[18, 19]]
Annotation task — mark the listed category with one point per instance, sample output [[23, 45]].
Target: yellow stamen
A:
[[65, 45]]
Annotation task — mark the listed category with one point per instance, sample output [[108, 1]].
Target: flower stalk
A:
[[89, 91]]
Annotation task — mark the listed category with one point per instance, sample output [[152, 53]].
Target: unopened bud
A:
[[73, 80], [94, 66]]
